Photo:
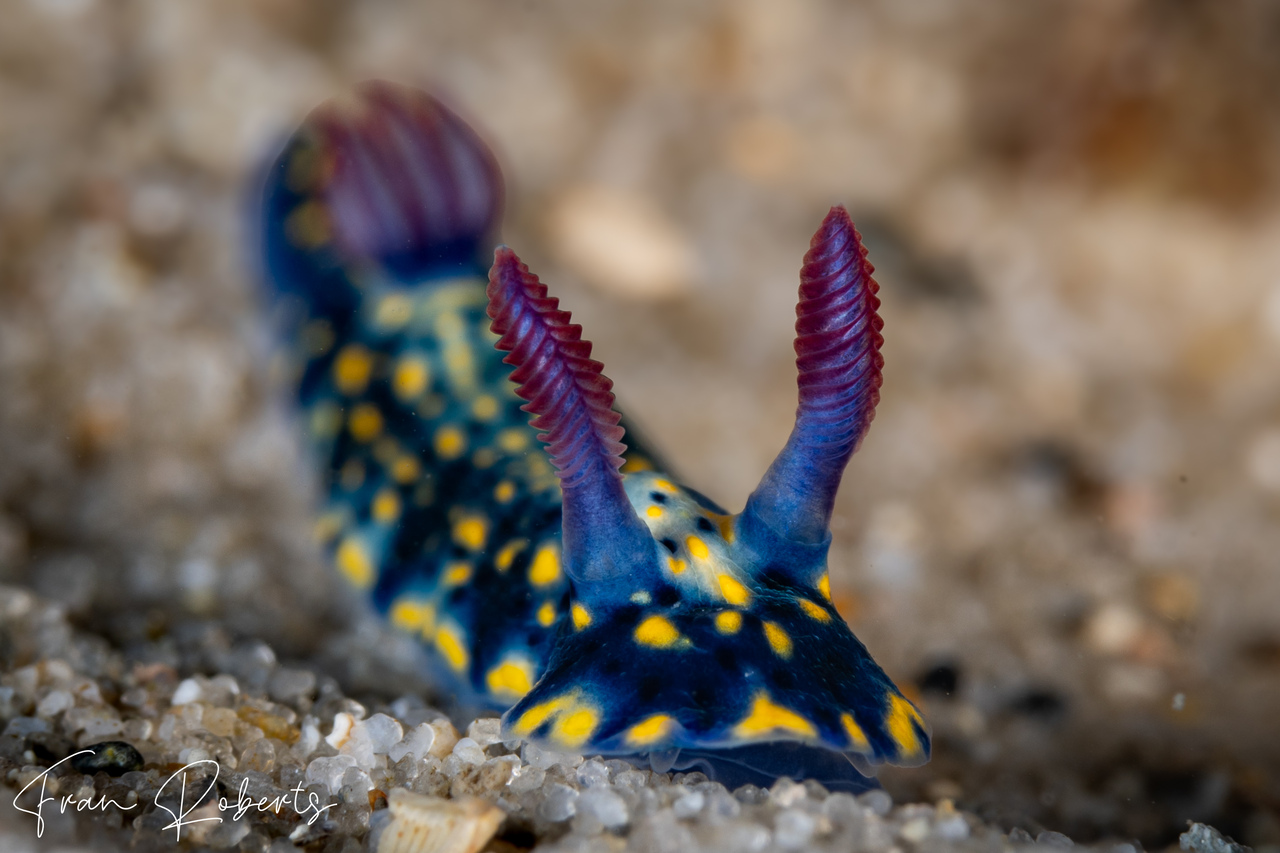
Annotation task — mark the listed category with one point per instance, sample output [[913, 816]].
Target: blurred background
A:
[[1061, 532]]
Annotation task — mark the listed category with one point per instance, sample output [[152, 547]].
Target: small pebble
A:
[[878, 801], [416, 743], [1054, 839], [469, 751], [793, 828], [113, 757], [605, 805], [560, 804]]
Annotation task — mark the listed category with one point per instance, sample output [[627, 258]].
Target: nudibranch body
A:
[[603, 606]]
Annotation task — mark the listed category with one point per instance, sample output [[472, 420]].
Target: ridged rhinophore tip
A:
[[607, 548], [838, 333], [566, 390], [838, 363], [404, 180]]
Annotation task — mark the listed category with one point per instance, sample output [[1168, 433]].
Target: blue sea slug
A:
[[601, 605]]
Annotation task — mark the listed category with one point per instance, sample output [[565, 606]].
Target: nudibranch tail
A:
[[838, 359], [405, 176], [385, 184], [604, 541]]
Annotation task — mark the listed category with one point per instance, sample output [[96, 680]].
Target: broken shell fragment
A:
[[421, 824]]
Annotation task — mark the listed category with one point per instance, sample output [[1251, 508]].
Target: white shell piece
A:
[[421, 824]]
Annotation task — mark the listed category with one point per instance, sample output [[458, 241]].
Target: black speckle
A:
[[113, 757], [783, 678], [705, 525], [649, 687], [727, 658], [943, 678], [1042, 702], [669, 544], [658, 497], [667, 596]]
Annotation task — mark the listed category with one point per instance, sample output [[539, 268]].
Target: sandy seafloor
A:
[[1060, 533]]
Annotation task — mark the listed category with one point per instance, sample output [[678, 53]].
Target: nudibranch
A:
[[604, 607]]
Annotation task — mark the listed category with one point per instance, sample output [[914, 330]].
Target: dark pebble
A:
[[1039, 702], [113, 757], [942, 678]]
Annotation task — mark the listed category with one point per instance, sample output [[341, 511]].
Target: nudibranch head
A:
[[690, 628]]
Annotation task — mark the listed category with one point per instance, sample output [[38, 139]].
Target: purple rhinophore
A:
[[838, 356]]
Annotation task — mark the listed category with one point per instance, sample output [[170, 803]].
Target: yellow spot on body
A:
[[449, 642], [581, 617], [385, 450], [658, 632], [512, 678], [386, 506], [547, 614], [677, 566], [316, 337], [303, 170], [450, 443], [650, 730], [460, 365], [574, 728], [484, 458], [354, 563], [327, 526], [697, 547], [824, 586], [413, 616], [665, 485], [507, 555], [729, 622], [485, 407], [456, 574], [471, 531], [778, 639], [857, 737], [513, 439], [393, 311], [352, 475], [308, 225], [326, 420], [900, 722], [636, 463], [654, 512], [813, 611], [411, 377], [725, 523], [449, 325], [365, 422], [733, 590], [432, 406], [545, 568], [351, 369], [405, 469], [766, 718], [504, 492], [641, 597], [537, 715]]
